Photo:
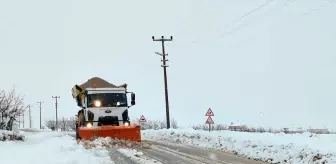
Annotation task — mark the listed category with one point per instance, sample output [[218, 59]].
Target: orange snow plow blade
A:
[[131, 133]]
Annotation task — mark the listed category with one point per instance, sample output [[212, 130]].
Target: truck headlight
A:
[[126, 124], [89, 125], [97, 103]]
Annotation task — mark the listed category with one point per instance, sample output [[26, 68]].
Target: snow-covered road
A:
[[165, 152]]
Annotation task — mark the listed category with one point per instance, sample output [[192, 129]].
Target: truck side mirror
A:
[[132, 99], [79, 102]]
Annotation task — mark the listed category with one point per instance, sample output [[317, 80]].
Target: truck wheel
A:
[[79, 123], [77, 135]]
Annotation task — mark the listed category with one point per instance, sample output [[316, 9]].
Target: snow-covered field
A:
[[50, 147], [290, 148]]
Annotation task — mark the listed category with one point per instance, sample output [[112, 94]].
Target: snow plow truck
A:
[[104, 111]]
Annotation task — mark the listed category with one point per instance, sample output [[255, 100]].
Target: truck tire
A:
[[77, 135], [79, 124]]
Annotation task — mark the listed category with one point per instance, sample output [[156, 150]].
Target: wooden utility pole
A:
[[56, 105], [19, 121], [30, 120], [64, 124], [23, 118], [40, 103], [164, 65]]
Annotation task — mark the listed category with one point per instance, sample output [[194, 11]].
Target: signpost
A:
[[209, 121], [142, 119]]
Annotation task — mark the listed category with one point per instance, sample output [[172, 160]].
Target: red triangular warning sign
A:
[[142, 119], [209, 113], [209, 121]]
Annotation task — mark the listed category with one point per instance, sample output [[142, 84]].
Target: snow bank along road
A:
[[167, 152], [49, 148], [303, 148]]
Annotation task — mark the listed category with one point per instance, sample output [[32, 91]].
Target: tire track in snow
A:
[[172, 153]]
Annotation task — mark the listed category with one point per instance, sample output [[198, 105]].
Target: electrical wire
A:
[[317, 8], [246, 14], [248, 23], [310, 11], [267, 14], [287, 2]]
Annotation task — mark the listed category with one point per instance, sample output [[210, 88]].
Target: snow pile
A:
[[35, 130], [275, 148], [108, 142], [127, 148], [137, 157], [51, 148], [10, 135]]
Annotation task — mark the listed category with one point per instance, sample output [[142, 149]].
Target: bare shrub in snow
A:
[[156, 124], [11, 108], [261, 130], [65, 124], [174, 123], [221, 127], [9, 136], [50, 124], [213, 127]]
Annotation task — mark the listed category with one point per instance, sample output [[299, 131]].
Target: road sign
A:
[[209, 120], [142, 119], [209, 113]]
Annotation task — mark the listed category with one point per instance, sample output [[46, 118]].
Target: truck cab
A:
[[103, 105]]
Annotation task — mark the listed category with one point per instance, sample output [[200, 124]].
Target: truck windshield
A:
[[107, 99]]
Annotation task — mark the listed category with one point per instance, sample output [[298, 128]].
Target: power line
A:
[[247, 23], [164, 65], [254, 10], [296, 20], [265, 14], [40, 103], [247, 14], [56, 105], [321, 6]]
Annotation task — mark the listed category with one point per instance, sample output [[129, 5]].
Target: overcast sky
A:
[[274, 67]]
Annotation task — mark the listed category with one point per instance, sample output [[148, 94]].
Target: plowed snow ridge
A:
[[293, 148]]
